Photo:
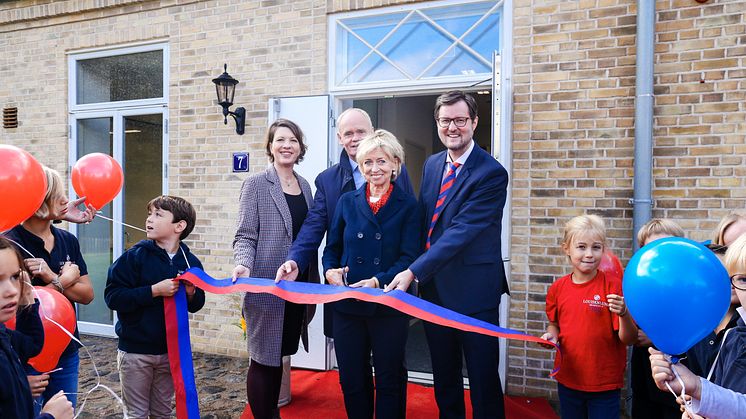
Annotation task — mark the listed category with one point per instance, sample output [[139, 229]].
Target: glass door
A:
[[137, 140]]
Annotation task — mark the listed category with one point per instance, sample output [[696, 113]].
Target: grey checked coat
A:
[[263, 236]]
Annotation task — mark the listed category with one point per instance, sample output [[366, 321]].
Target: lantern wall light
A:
[[225, 86]]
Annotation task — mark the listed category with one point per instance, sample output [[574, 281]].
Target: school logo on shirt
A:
[[595, 304]]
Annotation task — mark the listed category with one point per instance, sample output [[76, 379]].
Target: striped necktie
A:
[[444, 187]]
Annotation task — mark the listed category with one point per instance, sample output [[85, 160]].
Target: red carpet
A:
[[316, 395]]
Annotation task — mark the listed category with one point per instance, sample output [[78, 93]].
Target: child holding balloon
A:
[[16, 300], [589, 320], [55, 260], [729, 368], [647, 401]]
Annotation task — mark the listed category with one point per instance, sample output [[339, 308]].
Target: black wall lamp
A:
[[225, 85]]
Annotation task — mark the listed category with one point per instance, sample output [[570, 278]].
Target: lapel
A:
[[432, 179], [392, 206], [361, 202], [346, 168], [278, 196]]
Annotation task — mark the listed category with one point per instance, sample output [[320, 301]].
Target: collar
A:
[[353, 163], [463, 157], [742, 312]]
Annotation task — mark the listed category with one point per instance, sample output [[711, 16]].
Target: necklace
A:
[[288, 182]]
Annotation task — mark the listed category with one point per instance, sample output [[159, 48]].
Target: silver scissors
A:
[[344, 277]]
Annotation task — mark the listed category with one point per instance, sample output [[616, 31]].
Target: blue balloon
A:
[[677, 291]]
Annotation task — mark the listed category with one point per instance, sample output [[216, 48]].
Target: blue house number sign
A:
[[240, 162]]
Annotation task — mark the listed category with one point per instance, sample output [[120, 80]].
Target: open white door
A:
[[311, 113], [498, 151]]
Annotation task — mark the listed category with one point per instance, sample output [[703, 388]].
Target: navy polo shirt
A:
[[66, 249]]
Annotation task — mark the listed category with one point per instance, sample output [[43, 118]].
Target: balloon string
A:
[[93, 362], [99, 213], [22, 248], [687, 402]]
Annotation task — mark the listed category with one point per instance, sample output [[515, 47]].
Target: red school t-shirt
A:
[[593, 357]]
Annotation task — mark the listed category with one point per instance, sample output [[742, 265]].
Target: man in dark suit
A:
[[463, 193]]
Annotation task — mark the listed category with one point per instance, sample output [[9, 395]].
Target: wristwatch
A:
[[56, 282]]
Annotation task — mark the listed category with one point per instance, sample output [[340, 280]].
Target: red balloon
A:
[[611, 265], [98, 177], [58, 308], [23, 186]]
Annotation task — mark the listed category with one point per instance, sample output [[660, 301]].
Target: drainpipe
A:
[[642, 202]]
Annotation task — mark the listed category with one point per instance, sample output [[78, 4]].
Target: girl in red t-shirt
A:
[[590, 322]]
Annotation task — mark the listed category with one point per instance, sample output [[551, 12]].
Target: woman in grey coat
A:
[[272, 207]]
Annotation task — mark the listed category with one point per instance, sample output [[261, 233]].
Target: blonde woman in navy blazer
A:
[[375, 233]]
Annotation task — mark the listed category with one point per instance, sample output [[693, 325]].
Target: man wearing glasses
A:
[[463, 193]]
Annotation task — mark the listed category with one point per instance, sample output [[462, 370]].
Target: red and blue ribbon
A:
[[177, 327], [180, 354]]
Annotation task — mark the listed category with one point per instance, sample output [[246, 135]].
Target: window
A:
[[422, 43], [130, 76]]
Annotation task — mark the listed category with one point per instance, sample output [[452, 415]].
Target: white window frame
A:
[[75, 56], [429, 83]]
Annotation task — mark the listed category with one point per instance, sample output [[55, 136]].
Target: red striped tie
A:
[[444, 187]]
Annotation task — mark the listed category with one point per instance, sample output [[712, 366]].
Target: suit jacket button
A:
[[360, 235], [378, 236], [376, 261], [359, 259]]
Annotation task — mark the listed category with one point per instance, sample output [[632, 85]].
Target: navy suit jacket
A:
[[330, 185], [380, 245], [463, 269]]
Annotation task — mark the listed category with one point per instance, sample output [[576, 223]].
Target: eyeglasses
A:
[[719, 249], [446, 122], [738, 281]]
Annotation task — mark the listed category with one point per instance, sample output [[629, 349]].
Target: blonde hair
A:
[[658, 226], [387, 142], [55, 190], [725, 223], [588, 223], [735, 256]]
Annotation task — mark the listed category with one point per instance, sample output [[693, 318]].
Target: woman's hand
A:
[[240, 271], [366, 283], [75, 215], [616, 304], [39, 269], [336, 276], [27, 298], [70, 274], [288, 271]]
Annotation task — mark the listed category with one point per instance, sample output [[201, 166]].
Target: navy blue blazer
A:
[[463, 269], [330, 185], [380, 245]]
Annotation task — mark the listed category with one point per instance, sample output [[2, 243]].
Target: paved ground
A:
[[220, 380]]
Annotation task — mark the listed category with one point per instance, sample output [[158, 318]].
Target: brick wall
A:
[[275, 48], [573, 137]]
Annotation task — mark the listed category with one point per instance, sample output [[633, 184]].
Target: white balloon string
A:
[[100, 214], [93, 362], [21, 247], [687, 402]]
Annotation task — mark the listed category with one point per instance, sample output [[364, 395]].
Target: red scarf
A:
[[375, 206]]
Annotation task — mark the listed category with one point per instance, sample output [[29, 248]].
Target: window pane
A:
[[428, 42], [120, 77], [143, 177], [95, 136]]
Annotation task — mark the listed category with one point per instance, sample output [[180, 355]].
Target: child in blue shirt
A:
[[137, 283]]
